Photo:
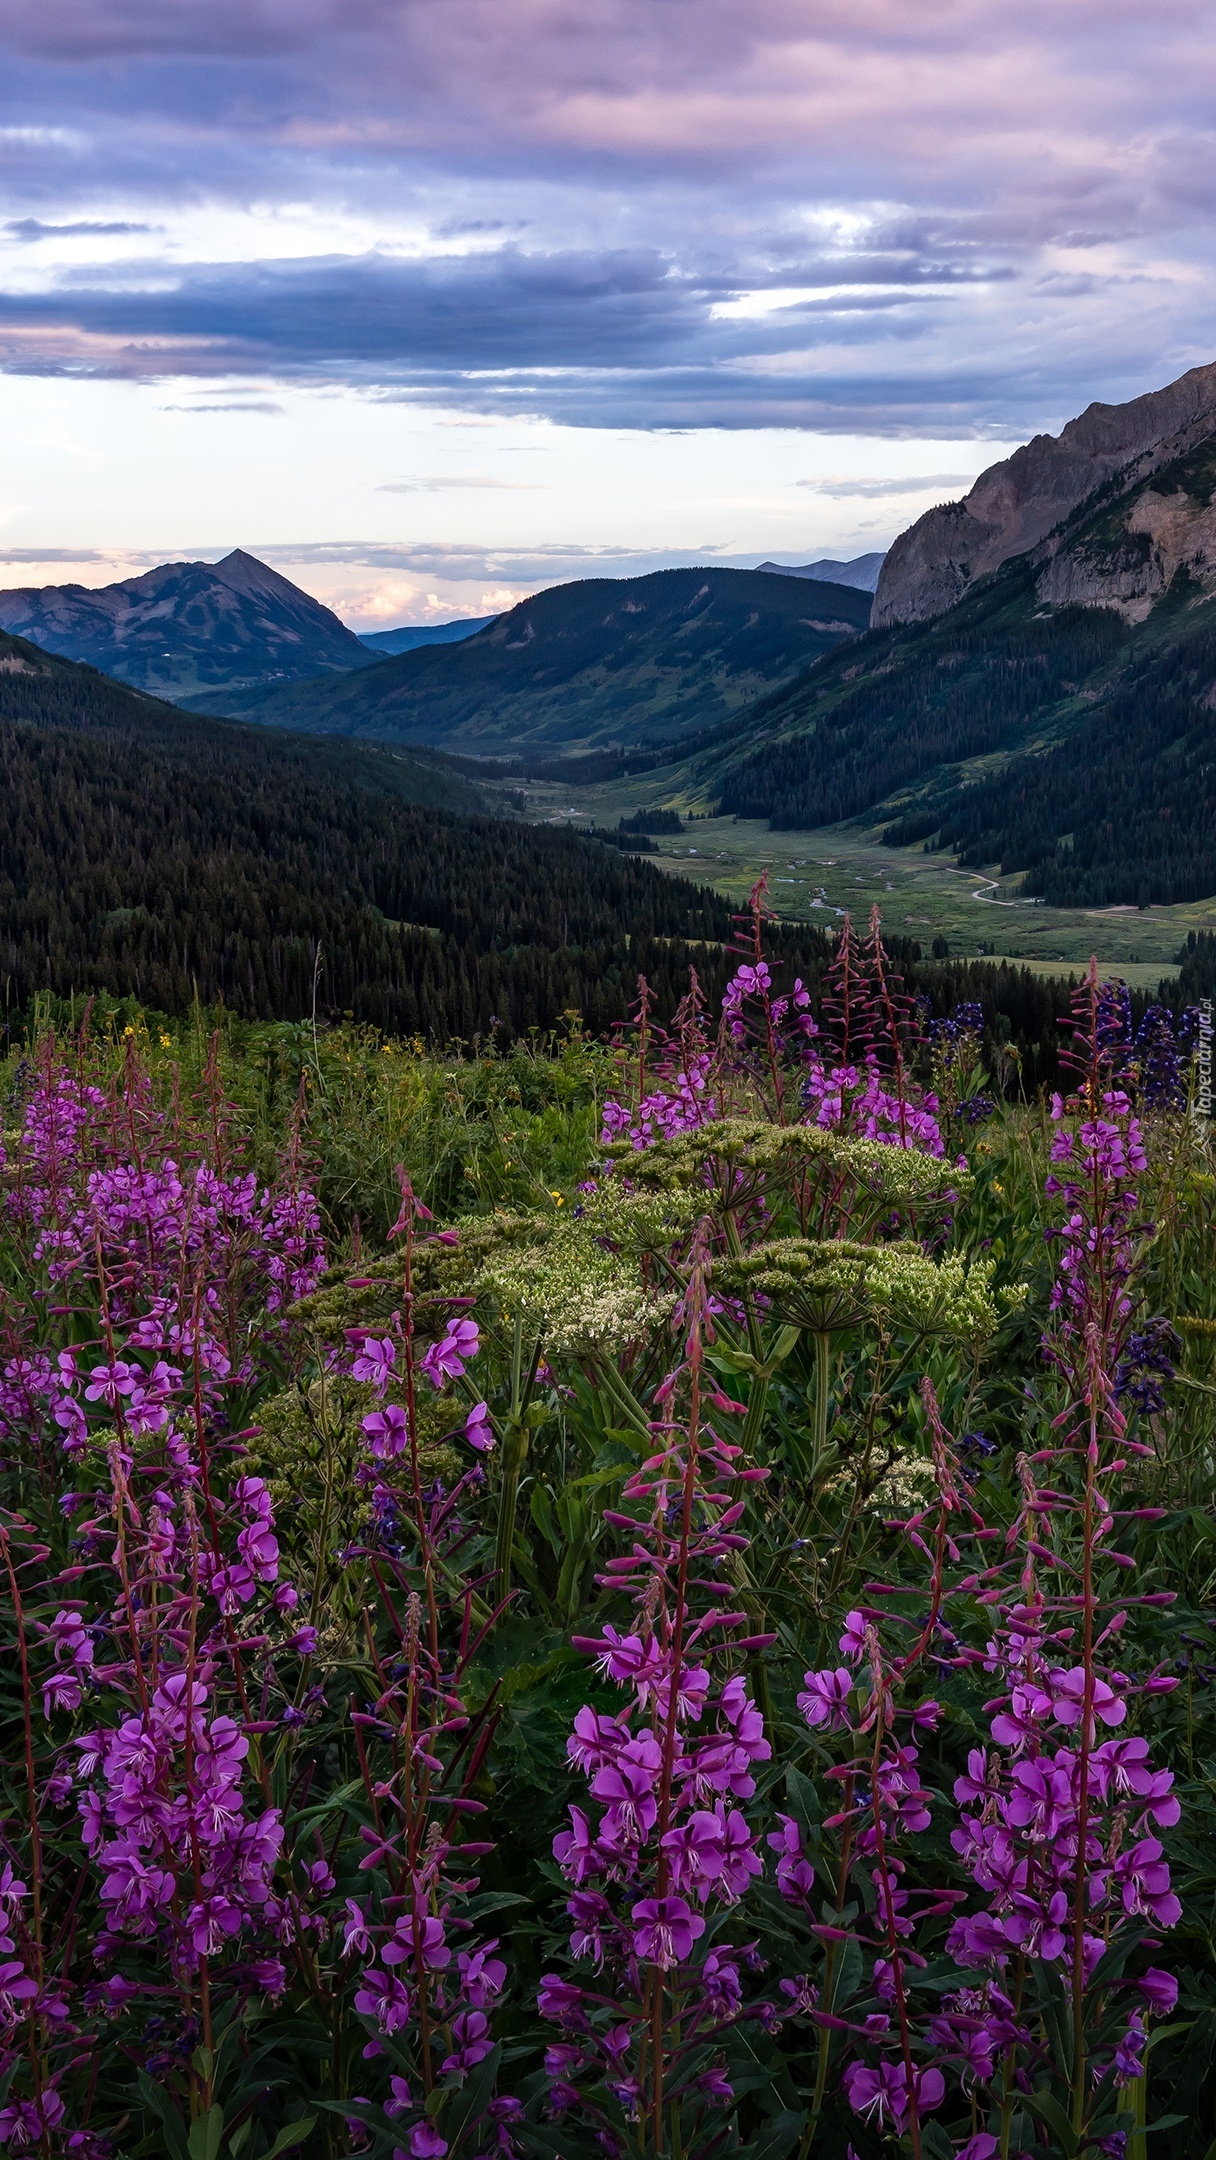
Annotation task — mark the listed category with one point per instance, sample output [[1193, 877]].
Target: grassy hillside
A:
[[593, 663]]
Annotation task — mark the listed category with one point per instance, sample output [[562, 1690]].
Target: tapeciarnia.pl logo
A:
[[1202, 1100]]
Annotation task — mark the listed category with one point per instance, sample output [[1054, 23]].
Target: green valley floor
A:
[[815, 876]]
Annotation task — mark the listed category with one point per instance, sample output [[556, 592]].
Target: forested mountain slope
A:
[[150, 853], [1059, 720], [600, 661]]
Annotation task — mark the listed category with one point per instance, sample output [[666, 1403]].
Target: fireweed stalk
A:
[[141, 1652], [427, 2002], [868, 1718], [849, 1072], [1042, 2024], [662, 1862]]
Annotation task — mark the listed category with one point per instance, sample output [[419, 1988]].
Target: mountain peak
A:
[[247, 574], [187, 628]]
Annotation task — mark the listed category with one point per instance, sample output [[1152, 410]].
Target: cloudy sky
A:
[[430, 302]]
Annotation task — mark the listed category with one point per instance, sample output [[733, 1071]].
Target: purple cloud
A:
[[957, 216]]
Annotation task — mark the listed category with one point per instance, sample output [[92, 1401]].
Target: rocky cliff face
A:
[[1016, 505]]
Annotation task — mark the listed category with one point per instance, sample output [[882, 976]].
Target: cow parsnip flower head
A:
[[905, 1487], [578, 1294], [577, 1278], [734, 1160], [834, 1284]]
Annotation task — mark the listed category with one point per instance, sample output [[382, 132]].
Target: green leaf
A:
[[294, 2134], [463, 2109], [205, 2134], [1110, 1965], [160, 2105], [1049, 2111], [935, 2142], [488, 1901], [803, 1799], [778, 2136], [847, 1976], [542, 1512]]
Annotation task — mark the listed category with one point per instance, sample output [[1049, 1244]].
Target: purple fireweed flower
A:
[[446, 1359], [27, 2122], [426, 2143], [716, 2086], [1043, 1799], [1068, 1698], [577, 1850], [593, 1924], [356, 1934], [825, 1699], [692, 1693], [473, 2039], [1143, 1878], [713, 1852], [1030, 1709], [417, 1936], [259, 1549], [383, 1996], [627, 1660], [1160, 1991], [1129, 2054], [482, 1977], [795, 1875], [562, 2057], [801, 1994], [478, 1430], [377, 1355], [387, 1432], [595, 1739], [627, 1784], [400, 2099], [665, 1930], [111, 1383], [881, 2096], [560, 2000], [721, 1982]]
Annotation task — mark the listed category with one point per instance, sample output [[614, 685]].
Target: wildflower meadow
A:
[[632, 1599]]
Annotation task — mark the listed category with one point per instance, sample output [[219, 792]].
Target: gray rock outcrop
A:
[[1016, 504]]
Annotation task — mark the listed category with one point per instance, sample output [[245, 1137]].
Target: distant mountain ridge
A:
[[412, 635], [189, 627], [598, 662], [863, 571]]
